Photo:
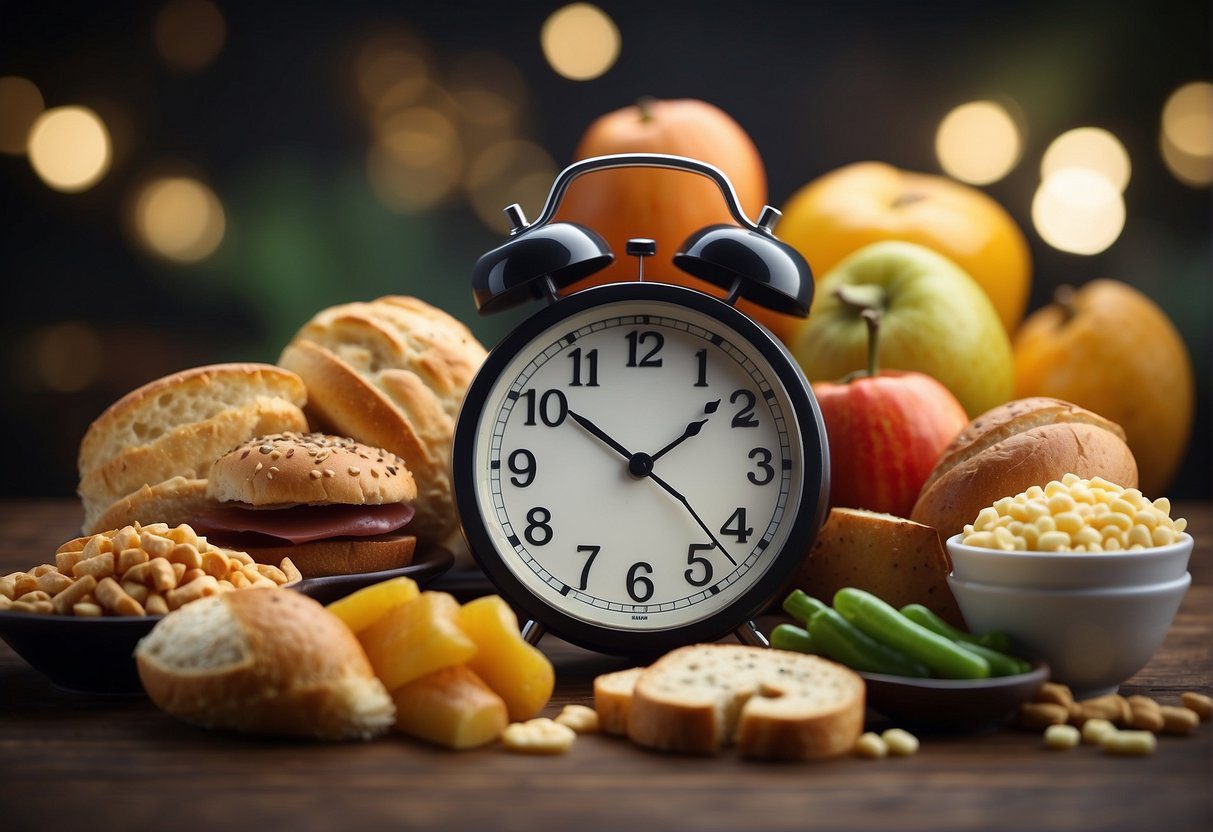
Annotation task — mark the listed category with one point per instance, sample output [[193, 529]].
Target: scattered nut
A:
[[1055, 693], [1038, 715], [871, 746], [1061, 737], [1094, 731], [581, 719], [1130, 743], [538, 736], [901, 743], [1178, 720], [1198, 702]]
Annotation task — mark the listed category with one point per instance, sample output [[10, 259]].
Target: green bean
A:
[[1000, 663], [791, 637], [843, 643], [995, 641], [801, 606], [885, 624]]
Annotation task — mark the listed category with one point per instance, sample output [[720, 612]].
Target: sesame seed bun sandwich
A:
[[332, 505]]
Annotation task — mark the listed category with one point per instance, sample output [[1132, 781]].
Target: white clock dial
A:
[[638, 465]]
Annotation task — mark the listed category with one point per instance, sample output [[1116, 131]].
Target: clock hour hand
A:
[[692, 430], [598, 432], [670, 490]]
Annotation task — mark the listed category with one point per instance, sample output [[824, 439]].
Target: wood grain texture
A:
[[69, 761]]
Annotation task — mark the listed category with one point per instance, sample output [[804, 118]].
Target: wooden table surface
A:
[[71, 761]]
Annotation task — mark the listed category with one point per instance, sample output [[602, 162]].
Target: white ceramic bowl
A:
[[1093, 639], [1070, 570]]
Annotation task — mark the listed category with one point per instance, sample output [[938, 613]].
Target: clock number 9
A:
[[763, 461], [526, 468], [646, 586], [545, 407], [694, 560], [538, 532]]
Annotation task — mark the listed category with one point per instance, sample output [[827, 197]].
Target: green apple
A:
[[934, 319]]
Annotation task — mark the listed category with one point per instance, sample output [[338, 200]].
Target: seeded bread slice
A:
[[771, 704], [613, 699], [173, 501]]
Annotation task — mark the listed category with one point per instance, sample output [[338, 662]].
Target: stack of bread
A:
[[146, 458], [392, 373]]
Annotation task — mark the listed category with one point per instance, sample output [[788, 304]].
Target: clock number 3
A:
[[762, 458]]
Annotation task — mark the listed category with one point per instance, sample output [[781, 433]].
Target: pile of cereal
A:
[[136, 570], [1075, 515]]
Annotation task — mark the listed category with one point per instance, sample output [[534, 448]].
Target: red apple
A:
[[886, 431]]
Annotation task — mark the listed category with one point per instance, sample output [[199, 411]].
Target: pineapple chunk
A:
[[451, 707], [515, 670], [415, 639], [363, 608]]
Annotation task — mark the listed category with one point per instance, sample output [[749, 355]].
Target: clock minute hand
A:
[[670, 490], [598, 432]]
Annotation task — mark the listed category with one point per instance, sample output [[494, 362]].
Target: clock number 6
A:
[[694, 560], [763, 461], [538, 532], [634, 580]]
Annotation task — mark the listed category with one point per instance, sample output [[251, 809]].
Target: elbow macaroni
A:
[[1075, 515]]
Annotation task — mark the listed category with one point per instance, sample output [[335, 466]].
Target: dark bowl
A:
[[955, 705], [96, 655]]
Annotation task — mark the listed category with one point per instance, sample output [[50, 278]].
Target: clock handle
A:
[[747, 633], [532, 631]]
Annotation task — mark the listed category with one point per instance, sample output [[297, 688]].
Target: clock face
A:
[[638, 465]]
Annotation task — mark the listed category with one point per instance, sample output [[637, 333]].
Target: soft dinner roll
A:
[[264, 661], [175, 427], [392, 373], [1010, 448]]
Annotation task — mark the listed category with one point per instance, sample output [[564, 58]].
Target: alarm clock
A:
[[639, 465]]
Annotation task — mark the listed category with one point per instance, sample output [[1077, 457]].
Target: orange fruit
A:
[[1109, 348], [867, 202]]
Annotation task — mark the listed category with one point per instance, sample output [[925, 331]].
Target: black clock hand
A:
[[692, 430], [594, 430], [670, 490]]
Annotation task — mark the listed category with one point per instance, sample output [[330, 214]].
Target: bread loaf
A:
[[392, 373], [1020, 444], [264, 661], [613, 699], [175, 427], [772, 704]]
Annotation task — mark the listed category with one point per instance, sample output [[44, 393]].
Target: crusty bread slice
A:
[[159, 407], [774, 705], [186, 451], [613, 699], [897, 560], [173, 501], [265, 661]]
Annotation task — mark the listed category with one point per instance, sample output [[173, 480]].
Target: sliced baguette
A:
[[613, 699], [772, 704], [265, 661], [895, 559], [159, 407], [173, 501], [186, 451]]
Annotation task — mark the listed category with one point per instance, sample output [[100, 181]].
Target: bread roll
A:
[[392, 373], [774, 705], [176, 427], [1020, 444], [263, 661]]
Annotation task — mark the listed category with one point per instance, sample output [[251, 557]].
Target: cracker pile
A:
[[135, 571]]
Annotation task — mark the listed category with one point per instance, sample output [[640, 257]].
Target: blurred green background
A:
[[264, 160]]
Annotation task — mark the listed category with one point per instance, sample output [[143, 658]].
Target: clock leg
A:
[[532, 631], [747, 633]]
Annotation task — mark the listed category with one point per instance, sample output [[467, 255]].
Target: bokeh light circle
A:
[[179, 219], [70, 148], [580, 41], [1078, 210], [978, 142], [1091, 148]]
